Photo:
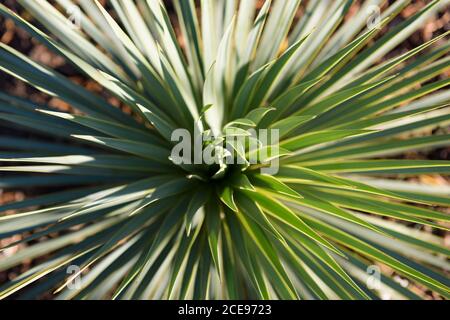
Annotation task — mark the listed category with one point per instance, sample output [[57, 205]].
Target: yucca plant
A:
[[339, 218]]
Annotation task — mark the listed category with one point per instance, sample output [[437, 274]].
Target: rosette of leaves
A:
[[340, 212]]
